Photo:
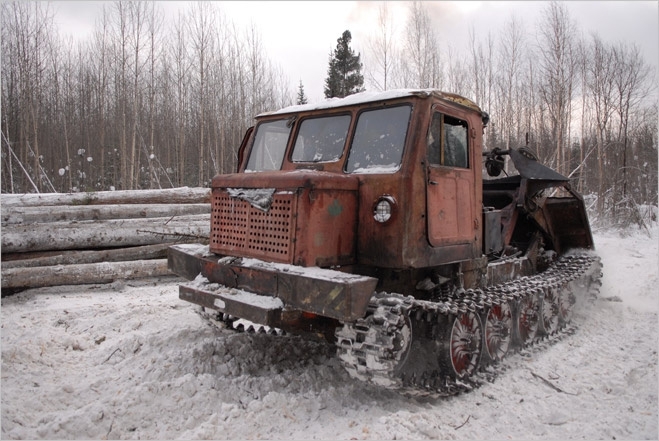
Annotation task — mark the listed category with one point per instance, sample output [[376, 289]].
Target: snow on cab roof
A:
[[367, 97]]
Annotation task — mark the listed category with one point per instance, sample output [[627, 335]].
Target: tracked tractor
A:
[[380, 222]]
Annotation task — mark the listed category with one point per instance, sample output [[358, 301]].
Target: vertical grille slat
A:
[[238, 228]]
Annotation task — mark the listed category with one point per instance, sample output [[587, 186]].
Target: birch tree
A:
[[601, 93], [509, 84], [381, 50], [557, 64], [421, 64], [27, 35], [630, 87], [202, 27]]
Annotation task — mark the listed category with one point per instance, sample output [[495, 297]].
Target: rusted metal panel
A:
[[235, 276], [241, 229], [450, 206], [196, 296], [287, 180], [457, 99], [569, 223], [531, 169], [492, 228], [232, 302], [501, 272], [382, 244], [327, 228], [294, 321], [330, 298], [181, 260], [309, 220]]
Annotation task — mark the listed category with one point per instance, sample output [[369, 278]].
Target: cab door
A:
[[450, 181]]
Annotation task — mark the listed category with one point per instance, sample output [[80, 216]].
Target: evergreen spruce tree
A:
[[344, 72], [301, 97]]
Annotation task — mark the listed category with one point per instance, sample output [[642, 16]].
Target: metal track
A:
[[226, 321], [401, 343]]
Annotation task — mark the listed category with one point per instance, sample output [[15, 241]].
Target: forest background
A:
[[147, 103]]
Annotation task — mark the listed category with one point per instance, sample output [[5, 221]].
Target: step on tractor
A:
[[379, 222]]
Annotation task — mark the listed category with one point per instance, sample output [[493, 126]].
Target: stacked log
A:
[[85, 238]]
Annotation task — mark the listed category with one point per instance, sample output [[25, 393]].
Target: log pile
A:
[[85, 238]]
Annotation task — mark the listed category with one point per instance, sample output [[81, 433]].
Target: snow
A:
[[240, 296], [373, 170], [354, 99], [260, 198], [312, 272], [131, 360]]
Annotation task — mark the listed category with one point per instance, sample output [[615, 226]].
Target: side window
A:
[[269, 146], [448, 141], [435, 140], [455, 145], [321, 139], [377, 145]]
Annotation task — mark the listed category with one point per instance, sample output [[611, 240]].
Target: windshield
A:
[[377, 146], [321, 139], [269, 146]]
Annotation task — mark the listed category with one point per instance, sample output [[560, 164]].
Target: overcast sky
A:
[[299, 35]]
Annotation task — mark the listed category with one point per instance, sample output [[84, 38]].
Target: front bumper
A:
[[261, 290]]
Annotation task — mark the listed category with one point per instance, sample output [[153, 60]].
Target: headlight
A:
[[383, 209]]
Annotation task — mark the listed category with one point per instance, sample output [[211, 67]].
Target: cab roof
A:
[[368, 97]]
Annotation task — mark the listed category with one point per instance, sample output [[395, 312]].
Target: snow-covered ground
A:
[[131, 360]]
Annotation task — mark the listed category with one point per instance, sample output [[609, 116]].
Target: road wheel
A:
[[465, 343], [526, 319], [498, 331]]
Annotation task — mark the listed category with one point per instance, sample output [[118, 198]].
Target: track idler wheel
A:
[[464, 347], [526, 319], [498, 331]]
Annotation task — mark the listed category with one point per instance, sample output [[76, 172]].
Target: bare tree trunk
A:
[[42, 214], [600, 88], [170, 196], [584, 93], [509, 65], [121, 40], [381, 50], [630, 79], [557, 63], [102, 234], [29, 260], [421, 46], [104, 272], [136, 14], [202, 32]]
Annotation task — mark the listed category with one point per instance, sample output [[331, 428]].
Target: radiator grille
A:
[[240, 229]]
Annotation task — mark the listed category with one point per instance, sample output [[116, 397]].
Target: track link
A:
[[438, 347], [226, 321]]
